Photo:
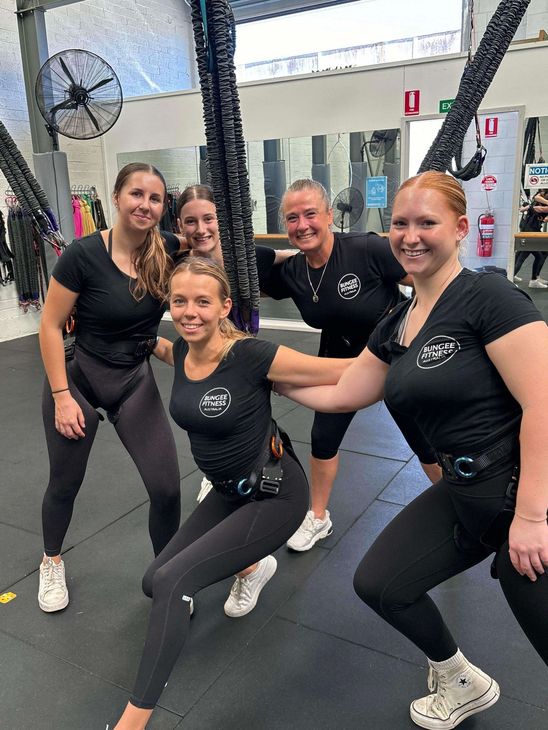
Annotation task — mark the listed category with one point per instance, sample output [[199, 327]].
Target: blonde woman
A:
[[221, 397]]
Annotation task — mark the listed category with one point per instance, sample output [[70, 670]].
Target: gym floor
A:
[[310, 656]]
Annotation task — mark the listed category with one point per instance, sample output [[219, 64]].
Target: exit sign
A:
[[445, 105]]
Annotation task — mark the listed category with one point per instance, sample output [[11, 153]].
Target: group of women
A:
[[444, 361]]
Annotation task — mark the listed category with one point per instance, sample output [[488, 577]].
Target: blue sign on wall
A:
[[376, 192]]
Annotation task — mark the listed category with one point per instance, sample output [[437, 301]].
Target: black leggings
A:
[[432, 539], [539, 259], [131, 398], [219, 539]]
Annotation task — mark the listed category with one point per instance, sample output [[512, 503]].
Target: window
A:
[[358, 33]]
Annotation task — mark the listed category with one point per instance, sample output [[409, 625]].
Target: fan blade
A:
[[66, 70], [68, 104], [98, 86], [90, 115]]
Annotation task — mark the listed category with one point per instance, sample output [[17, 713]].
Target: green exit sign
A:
[[445, 105]]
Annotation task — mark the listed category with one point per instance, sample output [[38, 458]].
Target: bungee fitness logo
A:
[[215, 402], [437, 351], [349, 286]]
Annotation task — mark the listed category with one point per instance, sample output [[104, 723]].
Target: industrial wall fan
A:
[[78, 94], [347, 208]]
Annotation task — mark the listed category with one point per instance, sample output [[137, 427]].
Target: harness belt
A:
[[137, 348], [466, 467], [265, 477]]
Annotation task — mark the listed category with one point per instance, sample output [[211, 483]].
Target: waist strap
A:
[[265, 477], [466, 467], [137, 348]]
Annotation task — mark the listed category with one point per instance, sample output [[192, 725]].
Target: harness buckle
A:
[[467, 472], [269, 486]]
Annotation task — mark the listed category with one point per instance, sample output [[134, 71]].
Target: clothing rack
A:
[[169, 219], [87, 209], [90, 190]]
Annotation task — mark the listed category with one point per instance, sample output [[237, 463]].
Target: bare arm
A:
[[281, 254], [60, 301], [296, 368], [163, 350], [362, 384], [529, 532]]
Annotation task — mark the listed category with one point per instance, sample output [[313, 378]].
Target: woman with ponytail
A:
[[118, 281], [221, 397]]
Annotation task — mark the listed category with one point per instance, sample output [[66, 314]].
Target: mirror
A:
[[367, 162], [531, 246]]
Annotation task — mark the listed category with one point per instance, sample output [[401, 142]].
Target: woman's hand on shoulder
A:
[[528, 542], [69, 417]]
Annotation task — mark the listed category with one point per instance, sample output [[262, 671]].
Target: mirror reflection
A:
[[531, 243]]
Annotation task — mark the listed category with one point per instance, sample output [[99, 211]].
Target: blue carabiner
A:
[[240, 488], [458, 470]]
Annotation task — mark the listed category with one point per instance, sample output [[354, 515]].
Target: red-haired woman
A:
[[448, 358]]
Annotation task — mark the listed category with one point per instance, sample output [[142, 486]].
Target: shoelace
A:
[[53, 576], [241, 590], [308, 525], [438, 703]]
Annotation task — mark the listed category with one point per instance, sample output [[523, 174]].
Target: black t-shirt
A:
[[359, 285], [265, 259], [226, 414], [444, 379], [106, 309]]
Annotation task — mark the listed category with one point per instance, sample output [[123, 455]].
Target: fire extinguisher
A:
[[486, 233]]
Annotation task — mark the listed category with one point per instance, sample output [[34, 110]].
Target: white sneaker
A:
[[205, 488], [537, 284], [517, 279], [311, 530], [542, 281], [460, 690], [53, 592], [245, 591]]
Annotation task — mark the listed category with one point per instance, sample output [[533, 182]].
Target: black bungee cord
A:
[[215, 40], [476, 79]]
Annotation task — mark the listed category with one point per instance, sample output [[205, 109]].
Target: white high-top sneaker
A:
[[460, 690]]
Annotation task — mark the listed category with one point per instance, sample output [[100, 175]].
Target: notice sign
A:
[[376, 191], [445, 105], [488, 183], [536, 176], [412, 102], [491, 127]]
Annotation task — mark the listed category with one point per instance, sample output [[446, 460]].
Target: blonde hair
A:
[[304, 183], [152, 263], [202, 266], [444, 184]]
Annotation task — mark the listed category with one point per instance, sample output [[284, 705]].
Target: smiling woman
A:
[[221, 397], [118, 281], [447, 358]]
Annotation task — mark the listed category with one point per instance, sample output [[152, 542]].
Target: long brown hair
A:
[[152, 264], [207, 267], [194, 192]]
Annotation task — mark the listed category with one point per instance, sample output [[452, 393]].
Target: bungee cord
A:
[[28, 192], [215, 40], [476, 79]]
